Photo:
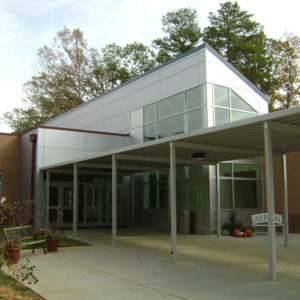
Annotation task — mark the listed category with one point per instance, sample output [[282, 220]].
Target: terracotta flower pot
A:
[[13, 254], [52, 244]]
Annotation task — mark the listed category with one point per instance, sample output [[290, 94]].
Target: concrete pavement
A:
[[140, 268]]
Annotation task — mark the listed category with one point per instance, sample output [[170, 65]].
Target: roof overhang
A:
[[237, 140]]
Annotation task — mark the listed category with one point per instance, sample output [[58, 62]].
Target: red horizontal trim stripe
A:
[[11, 134], [82, 130]]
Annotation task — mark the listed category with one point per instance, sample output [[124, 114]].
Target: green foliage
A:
[[287, 51], [63, 80], [119, 64], [183, 34], [242, 42]]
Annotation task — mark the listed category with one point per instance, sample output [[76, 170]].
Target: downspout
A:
[[33, 139]]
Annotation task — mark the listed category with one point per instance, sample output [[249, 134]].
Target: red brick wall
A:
[[10, 165], [293, 174]]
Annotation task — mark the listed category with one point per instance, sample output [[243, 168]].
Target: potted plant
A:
[[12, 250], [52, 239]]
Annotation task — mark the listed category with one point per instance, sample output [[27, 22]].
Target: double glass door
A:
[[94, 204]]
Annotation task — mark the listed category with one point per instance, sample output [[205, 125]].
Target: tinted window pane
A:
[[247, 171], [226, 193], [67, 215], [68, 196], [238, 103], [247, 194], [194, 98], [196, 194], [180, 173], [238, 115], [171, 126], [150, 113], [222, 116], [149, 132], [149, 196], [180, 195], [53, 200], [226, 170], [150, 177], [163, 195], [196, 171], [221, 96], [171, 106], [195, 119]]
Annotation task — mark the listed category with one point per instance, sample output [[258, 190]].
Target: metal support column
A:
[[285, 203], [47, 199], [218, 196], [114, 200], [270, 200], [173, 200], [132, 201], [75, 200]]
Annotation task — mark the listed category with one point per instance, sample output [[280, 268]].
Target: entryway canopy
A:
[[273, 134], [237, 140]]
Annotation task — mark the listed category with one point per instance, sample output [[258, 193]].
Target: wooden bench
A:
[[262, 220], [24, 233]]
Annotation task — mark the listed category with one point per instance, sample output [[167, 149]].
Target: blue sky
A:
[[26, 25]]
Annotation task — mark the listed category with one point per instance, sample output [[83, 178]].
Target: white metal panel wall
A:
[[112, 111], [56, 146]]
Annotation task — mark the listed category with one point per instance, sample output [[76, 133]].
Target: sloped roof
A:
[[202, 46]]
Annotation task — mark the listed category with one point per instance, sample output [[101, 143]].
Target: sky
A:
[[26, 25]]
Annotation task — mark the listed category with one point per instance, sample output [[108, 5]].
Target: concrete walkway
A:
[[140, 268]]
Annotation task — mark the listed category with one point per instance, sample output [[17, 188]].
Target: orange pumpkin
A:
[[248, 231], [236, 232]]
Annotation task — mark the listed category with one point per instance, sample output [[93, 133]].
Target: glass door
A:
[[92, 200], [61, 204]]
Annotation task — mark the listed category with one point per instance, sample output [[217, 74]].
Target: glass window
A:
[[226, 193], [67, 215], [222, 116], [149, 199], [247, 171], [238, 103], [171, 126], [53, 215], [194, 119], [92, 196], [171, 106], [221, 96], [226, 170], [163, 195], [196, 171], [53, 193], [196, 194], [247, 194], [150, 177], [180, 195], [68, 196], [150, 113], [149, 132], [239, 115], [180, 173], [194, 98], [163, 175], [136, 118]]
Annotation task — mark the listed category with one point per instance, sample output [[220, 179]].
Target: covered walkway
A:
[[139, 268]]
